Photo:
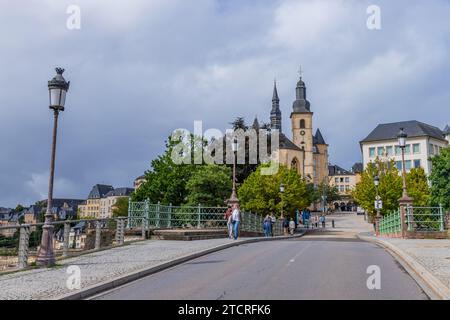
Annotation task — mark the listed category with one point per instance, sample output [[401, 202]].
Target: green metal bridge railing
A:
[[177, 217], [391, 223], [425, 219], [419, 219]]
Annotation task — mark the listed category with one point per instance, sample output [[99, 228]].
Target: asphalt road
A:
[[304, 268]]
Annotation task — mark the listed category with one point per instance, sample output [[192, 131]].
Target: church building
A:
[[305, 152]]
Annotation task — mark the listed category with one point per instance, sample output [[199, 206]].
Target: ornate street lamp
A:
[[376, 182], [58, 88], [405, 201], [402, 144], [234, 199]]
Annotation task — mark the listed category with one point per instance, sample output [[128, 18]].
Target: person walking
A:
[[286, 226], [227, 218], [273, 219], [267, 226], [322, 221], [292, 227], [236, 216]]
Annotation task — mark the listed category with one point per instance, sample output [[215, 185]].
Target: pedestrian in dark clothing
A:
[[286, 226], [267, 226], [273, 219]]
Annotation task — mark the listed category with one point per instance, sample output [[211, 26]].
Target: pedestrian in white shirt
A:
[[236, 218]]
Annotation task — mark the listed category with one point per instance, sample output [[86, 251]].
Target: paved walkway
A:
[[98, 267], [433, 255]]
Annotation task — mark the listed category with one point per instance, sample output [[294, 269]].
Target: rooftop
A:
[[413, 128]]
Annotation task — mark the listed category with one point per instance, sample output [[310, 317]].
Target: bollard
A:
[[332, 223], [98, 235], [144, 227], [24, 238], [66, 239], [120, 231]]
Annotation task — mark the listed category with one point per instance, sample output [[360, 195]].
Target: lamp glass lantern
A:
[[57, 88], [401, 136], [376, 181], [235, 145]]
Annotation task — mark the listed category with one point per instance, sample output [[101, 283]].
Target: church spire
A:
[[275, 114], [275, 92], [301, 105]]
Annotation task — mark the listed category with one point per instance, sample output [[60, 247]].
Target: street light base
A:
[[46, 257]]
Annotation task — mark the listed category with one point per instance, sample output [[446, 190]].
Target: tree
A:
[[331, 192], [261, 193], [19, 208], [417, 185], [439, 178], [120, 208], [166, 180], [209, 186], [389, 189]]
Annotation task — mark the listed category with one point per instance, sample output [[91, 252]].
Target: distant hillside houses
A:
[[101, 201], [62, 209]]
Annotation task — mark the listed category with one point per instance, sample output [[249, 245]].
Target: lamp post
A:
[[234, 199], [282, 204], [405, 201], [402, 144], [58, 88], [376, 182]]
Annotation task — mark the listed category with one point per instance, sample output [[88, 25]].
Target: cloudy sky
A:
[[142, 68]]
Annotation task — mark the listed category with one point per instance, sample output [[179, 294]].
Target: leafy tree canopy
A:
[[389, 189], [209, 185], [417, 185], [120, 208], [261, 193], [440, 179]]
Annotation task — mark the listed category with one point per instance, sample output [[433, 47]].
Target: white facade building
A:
[[423, 142]]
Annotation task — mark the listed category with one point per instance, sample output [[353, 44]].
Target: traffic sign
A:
[[378, 204]]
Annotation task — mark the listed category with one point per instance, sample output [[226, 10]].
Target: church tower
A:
[[275, 114], [302, 133]]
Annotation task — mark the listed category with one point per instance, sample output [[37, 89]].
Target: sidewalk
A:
[[428, 258], [105, 267]]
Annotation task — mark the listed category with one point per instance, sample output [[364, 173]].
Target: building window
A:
[[408, 149], [341, 188], [398, 151], [416, 148], [371, 152], [389, 150], [408, 165], [341, 179], [347, 179], [302, 124], [431, 148], [380, 151], [294, 164], [347, 188], [417, 163], [399, 165], [336, 180]]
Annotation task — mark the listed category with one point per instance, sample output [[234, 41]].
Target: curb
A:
[[127, 278], [415, 269]]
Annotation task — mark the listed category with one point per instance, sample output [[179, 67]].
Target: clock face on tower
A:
[[302, 132]]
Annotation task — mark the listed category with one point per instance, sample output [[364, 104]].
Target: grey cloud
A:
[[140, 69]]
